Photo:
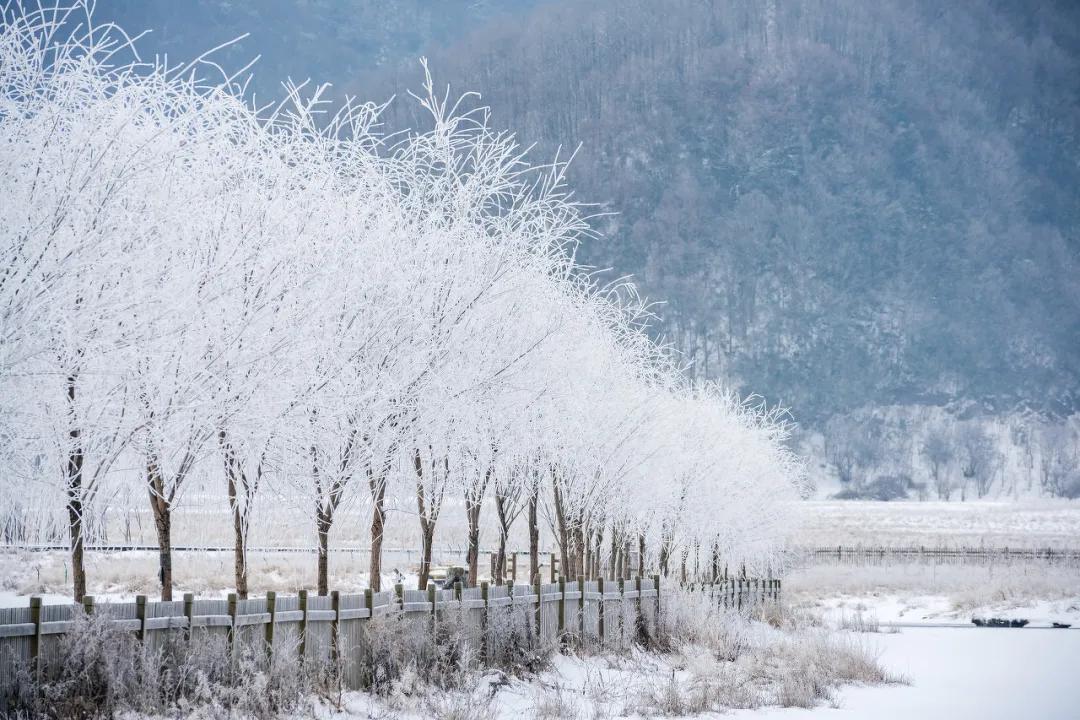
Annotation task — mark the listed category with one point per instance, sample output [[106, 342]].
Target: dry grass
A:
[[720, 660], [963, 587], [102, 671]]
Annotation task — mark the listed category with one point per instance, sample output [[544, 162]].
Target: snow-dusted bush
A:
[[97, 670], [101, 670], [405, 654], [513, 644], [724, 660]]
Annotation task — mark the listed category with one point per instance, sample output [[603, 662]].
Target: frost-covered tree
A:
[[939, 453], [203, 293]]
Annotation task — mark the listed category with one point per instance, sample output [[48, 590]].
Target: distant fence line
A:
[[739, 593], [839, 553], [549, 560], [981, 556]]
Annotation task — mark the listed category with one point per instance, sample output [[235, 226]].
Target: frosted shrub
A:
[[403, 653], [97, 669], [101, 670], [688, 617], [721, 660], [512, 645]]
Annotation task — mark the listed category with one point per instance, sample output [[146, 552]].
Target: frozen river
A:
[[982, 674]]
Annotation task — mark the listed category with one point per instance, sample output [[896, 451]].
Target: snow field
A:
[[1014, 524]]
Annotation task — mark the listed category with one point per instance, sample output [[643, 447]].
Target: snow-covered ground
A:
[[951, 672], [1015, 524], [950, 675], [936, 610], [120, 576], [934, 594], [981, 674]]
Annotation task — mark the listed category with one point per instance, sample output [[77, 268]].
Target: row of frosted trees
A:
[[283, 298]]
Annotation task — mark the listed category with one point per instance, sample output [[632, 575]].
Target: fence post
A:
[[35, 639], [513, 567], [600, 586], [189, 613], [537, 588], [271, 607], [399, 595], [622, 607], [232, 624], [656, 586], [484, 621], [581, 609], [140, 613], [434, 613], [303, 598], [88, 604], [562, 608], [335, 651]]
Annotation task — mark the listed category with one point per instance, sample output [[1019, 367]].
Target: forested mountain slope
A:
[[841, 202]]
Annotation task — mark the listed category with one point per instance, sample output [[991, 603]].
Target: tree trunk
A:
[[159, 503], [504, 533], [641, 555], [234, 479], [472, 511], [75, 496], [534, 537], [597, 545], [500, 560], [240, 556], [78, 569], [427, 523], [427, 530], [564, 537], [586, 547], [579, 551], [613, 556], [323, 521], [378, 523]]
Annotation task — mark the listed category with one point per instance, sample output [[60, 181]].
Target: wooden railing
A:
[[330, 629]]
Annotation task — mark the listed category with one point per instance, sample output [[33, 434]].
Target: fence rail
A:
[[330, 629]]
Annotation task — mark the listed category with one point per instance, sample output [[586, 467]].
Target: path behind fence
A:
[[974, 556]]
